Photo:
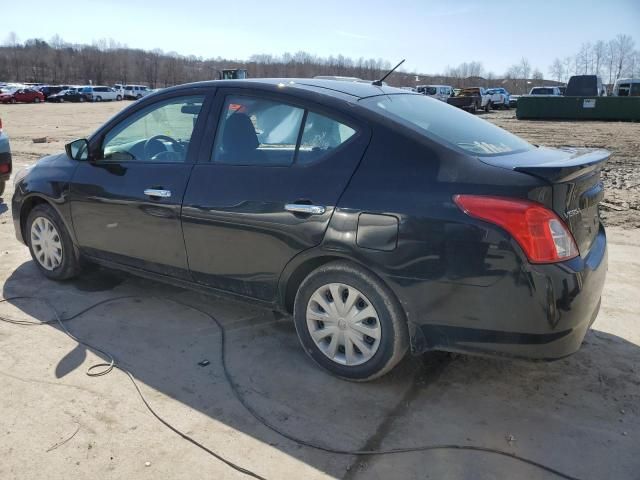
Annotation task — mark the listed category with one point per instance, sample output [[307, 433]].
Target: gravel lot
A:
[[580, 415]]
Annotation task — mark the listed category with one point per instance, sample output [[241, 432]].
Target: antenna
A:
[[378, 83]]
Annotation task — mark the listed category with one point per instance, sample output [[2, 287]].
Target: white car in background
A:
[[499, 97], [136, 92], [100, 93], [440, 92]]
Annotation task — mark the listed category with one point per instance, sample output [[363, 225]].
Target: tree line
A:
[[106, 62], [616, 58]]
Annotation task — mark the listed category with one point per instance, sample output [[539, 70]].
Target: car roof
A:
[[334, 88]]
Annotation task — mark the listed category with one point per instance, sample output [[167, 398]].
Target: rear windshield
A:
[[445, 123]]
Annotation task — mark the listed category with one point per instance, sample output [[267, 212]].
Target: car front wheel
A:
[[349, 322], [50, 244]]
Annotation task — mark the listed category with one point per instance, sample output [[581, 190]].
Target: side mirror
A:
[[78, 149]]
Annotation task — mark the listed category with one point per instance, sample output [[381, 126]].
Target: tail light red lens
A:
[[543, 236], [5, 168]]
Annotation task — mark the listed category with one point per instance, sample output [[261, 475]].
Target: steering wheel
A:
[[157, 140]]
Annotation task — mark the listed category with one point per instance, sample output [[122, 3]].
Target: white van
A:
[[100, 93], [627, 87], [136, 91], [440, 92]]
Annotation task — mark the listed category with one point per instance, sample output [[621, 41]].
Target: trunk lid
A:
[[574, 175]]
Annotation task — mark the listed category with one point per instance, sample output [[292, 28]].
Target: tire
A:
[[13, 100], [473, 108], [119, 98], [61, 100], [2, 186], [138, 97], [487, 107], [370, 358], [36, 100], [81, 99], [68, 266], [98, 99]]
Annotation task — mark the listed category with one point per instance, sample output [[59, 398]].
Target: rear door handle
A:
[[304, 208], [154, 192]]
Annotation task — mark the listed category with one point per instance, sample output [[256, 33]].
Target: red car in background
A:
[[24, 95]]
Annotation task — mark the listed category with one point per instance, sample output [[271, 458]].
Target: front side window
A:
[[159, 133], [256, 131], [448, 124]]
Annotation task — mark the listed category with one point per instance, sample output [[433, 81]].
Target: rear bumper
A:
[[541, 312]]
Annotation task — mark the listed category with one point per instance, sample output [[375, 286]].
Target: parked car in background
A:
[[499, 248], [23, 95], [5, 159], [6, 94], [563, 90], [440, 92], [135, 92], [546, 91], [49, 90], [73, 94], [99, 93], [471, 99], [627, 87], [119, 88], [499, 97], [513, 100], [586, 86]]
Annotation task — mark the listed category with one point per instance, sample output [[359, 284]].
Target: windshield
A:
[[445, 123]]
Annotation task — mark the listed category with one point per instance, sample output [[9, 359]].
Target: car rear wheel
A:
[[349, 322], [36, 100], [81, 99], [119, 97], [487, 107], [98, 99], [13, 100], [50, 244]]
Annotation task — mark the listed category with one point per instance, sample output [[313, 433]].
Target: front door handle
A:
[[304, 208], [155, 192]]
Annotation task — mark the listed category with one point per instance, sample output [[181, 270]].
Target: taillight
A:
[[543, 236]]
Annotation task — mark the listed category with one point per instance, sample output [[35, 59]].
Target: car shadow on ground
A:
[[579, 415]]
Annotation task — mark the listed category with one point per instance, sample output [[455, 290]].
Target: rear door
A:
[[126, 202], [266, 189]]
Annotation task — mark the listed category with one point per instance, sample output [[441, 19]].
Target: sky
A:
[[431, 35]]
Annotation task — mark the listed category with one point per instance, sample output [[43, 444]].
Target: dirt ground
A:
[[579, 415]]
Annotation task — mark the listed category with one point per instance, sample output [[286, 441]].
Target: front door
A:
[[126, 201], [267, 191]]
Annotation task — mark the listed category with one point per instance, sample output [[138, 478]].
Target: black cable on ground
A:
[[104, 368]]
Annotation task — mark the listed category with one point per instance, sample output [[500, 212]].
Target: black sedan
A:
[[381, 219], [70, 95]]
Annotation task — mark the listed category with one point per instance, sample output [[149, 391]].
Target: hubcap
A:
[[343, 324], [46, 243]]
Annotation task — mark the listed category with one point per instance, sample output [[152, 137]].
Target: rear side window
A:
[[320, 135], [447, 124], [256, 131]]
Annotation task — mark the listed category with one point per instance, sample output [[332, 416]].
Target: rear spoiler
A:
[[555, 165]]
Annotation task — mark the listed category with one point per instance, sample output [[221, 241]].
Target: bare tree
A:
[[557, 70], [624, 50]]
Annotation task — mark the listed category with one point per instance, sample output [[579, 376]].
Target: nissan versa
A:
[[381, 219]]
